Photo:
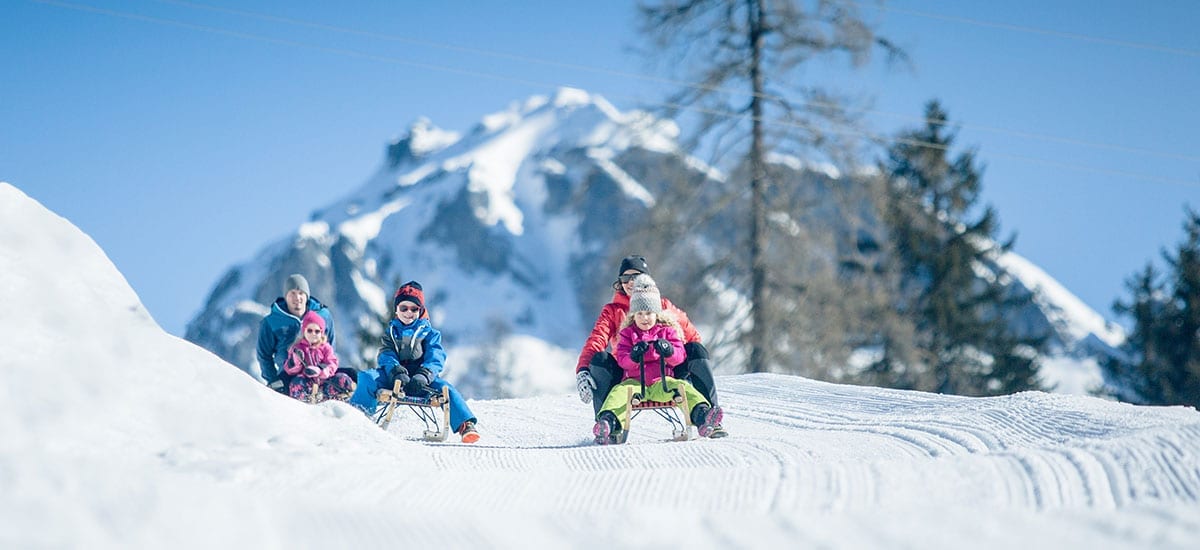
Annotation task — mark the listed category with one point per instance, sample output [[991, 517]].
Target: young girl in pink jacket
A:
[[649, 334], [311, 363]]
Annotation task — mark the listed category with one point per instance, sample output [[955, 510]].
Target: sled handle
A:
[[662, 372], [642, 372]]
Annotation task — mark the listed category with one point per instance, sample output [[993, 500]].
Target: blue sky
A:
[[183, 137]]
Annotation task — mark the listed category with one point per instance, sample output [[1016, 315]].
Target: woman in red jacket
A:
[[597, 371]]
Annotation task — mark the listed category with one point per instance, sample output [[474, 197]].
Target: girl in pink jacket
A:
[[649, 334], [312, 364]]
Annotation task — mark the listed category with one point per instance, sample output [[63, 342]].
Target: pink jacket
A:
[[302, 354], [631, 335], [604, 334]]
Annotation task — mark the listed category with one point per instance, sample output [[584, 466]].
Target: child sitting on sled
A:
[[648, 333], [313, 366], [412, 353]]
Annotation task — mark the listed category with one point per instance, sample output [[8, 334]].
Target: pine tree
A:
[[961, 341], [1181, 383], [1164, 346], [1125, 378]]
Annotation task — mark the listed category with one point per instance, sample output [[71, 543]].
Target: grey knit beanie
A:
[[644, 296], [296, 281]]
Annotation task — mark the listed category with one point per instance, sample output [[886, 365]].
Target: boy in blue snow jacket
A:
[[278, 330], [411, 352]]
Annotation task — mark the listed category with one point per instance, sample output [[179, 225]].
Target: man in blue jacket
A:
[[279, 328]]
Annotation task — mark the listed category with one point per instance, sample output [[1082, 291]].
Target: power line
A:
[[284, 42], [938, 146], [407, 40], [1044, 32], [672, 82], [493, 76]]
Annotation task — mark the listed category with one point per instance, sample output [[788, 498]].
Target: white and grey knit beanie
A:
[[644, 296]]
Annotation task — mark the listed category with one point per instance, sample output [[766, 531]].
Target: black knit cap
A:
[[409, 292], [633, 262]]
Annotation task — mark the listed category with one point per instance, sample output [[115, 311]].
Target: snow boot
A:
[[303, 389], [707, 419], [608, 430], [340, 387], [468, 433], [718, 432]]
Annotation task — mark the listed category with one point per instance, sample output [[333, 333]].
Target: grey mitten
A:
[[586, 384]]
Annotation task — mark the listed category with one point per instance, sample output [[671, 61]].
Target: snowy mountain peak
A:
[[564, 97], [422, 139], [503, 225], [1074, 319]]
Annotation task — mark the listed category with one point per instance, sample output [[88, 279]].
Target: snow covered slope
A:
[[105, 448]]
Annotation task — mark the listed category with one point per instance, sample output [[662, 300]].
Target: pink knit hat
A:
[[311, 318]]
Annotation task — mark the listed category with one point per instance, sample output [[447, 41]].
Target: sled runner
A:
[[426, 408], [675, 411], [314, 392]]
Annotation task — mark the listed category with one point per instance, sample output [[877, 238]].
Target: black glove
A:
[[639, 351], [312, 371], [397, 374], [664, 347], [419, 383]]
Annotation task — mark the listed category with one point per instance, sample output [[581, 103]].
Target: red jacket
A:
[[604, 334]]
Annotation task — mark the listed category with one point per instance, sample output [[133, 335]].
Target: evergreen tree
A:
[[1180, 384], [1125, 377], [961, 341], [1164, 348]]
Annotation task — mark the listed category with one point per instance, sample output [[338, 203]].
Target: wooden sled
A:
[[314, 396], [314, 392], [674, 412], [426, 408]]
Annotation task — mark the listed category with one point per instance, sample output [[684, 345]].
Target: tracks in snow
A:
[[803, 445]]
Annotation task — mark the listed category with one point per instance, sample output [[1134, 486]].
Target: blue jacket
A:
[[278, 331], [412, 346]]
